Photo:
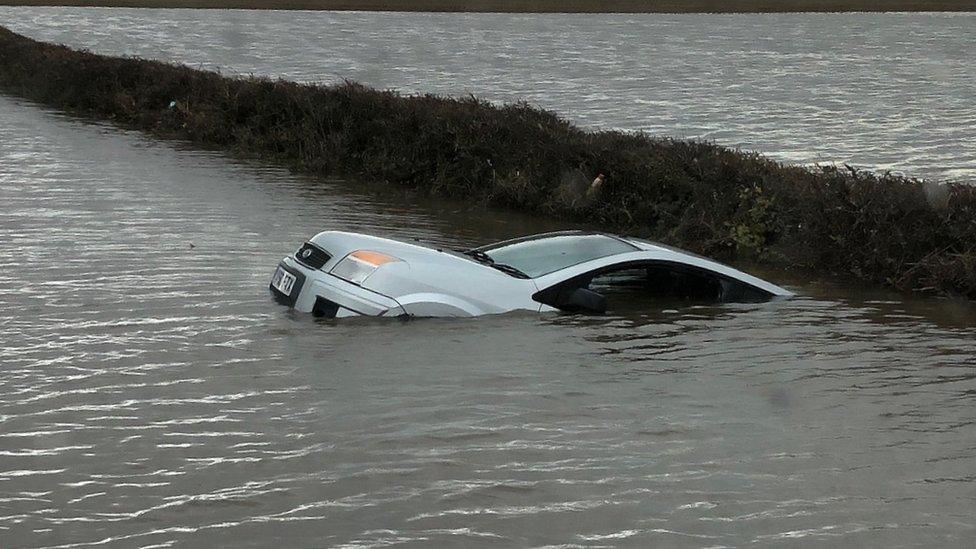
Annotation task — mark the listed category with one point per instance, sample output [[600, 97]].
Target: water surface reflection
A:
[[152, 394], [891, 91]]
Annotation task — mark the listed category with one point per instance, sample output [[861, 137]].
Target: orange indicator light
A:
[[372, 258]]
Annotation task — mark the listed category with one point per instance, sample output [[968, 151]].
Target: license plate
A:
[[283, 281]]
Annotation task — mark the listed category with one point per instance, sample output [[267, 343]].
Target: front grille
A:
[[312, 256]]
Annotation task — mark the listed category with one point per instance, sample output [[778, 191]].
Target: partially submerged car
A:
[[340, 274]]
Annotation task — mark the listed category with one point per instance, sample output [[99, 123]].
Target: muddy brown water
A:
[[894, 91], [153, 395]]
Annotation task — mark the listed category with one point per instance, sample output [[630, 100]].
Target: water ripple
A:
[[882, 91], [152, 394]]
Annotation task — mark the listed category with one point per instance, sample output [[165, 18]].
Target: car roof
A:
[[554, 234], [644, 250]]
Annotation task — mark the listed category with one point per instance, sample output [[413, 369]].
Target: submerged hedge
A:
[[882, 228]]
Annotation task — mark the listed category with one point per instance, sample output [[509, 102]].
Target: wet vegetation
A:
[[906, 233]]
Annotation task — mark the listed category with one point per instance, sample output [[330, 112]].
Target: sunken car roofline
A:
[[647, 250], [553, 234]]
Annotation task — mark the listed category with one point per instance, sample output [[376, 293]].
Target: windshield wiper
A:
[[508, 269], [482, 257], [479, 256]]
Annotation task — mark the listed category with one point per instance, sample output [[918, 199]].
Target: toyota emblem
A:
[[306, 253]]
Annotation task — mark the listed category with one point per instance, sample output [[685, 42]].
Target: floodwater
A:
[[153, 395], [881, 91]]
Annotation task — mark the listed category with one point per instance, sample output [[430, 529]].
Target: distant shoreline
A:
[[536, 6]]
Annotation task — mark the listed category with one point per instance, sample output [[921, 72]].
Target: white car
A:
[[339, 274]]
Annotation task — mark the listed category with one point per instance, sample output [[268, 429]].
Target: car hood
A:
[[425, 270]]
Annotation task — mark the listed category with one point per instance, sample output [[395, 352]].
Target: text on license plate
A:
[[283, 281]]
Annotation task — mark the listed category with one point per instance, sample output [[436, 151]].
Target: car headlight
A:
[[357, 266]]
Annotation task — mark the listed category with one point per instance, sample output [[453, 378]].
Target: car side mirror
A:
[[581, 300]]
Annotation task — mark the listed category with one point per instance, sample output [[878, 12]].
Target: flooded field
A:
[[153, 395], [879, 91]]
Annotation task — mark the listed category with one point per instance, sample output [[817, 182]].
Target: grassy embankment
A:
[[716, 201], [537, 6]]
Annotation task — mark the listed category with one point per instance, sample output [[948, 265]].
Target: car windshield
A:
[[541, 256]]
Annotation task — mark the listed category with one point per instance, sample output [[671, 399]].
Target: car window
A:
[[641, 286], [619, 279], [542, 256]]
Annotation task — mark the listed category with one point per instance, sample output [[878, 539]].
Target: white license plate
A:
[[283, 281]]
